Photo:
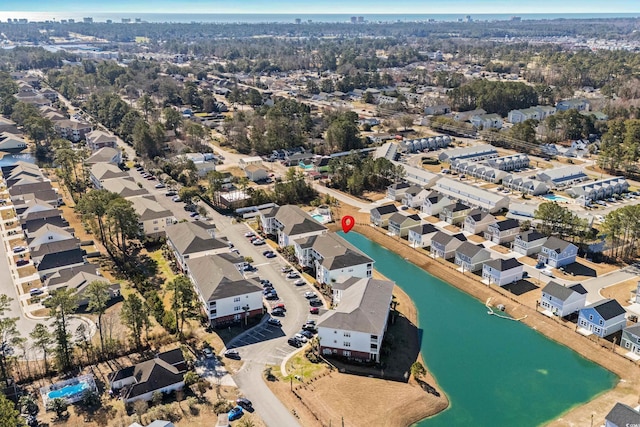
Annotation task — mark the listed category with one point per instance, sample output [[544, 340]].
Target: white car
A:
[[309, 295], [547, 272], [300, 338], [207, 353]]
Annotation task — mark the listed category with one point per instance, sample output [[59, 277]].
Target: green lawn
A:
[[163, 265], [300, 365]]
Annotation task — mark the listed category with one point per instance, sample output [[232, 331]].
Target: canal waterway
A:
[[495, 372]]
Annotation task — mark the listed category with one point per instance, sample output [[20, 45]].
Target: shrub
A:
[[221, 406], [156, 398], [90, 398], [140, 407], [58, 405]]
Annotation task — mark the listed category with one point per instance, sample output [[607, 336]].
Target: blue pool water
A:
[[68, 391], [318, 217], [555, 198]]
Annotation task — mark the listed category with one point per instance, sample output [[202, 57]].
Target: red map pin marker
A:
[[347, 223]]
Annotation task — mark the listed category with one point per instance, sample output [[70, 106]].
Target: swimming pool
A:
[[555, 198], [69, 390]]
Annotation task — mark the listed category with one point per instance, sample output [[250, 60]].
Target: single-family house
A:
[[455, 213], [556, 252], [246, 161], [622, 415], [154, 219], [79, 278], [420, 235], [444, 245], [437, 110], [502, 271], [380, 215], [193, 239], [631, 338], [355, 328], [399, 223], [471, 257], [562, 300], [477, 221], [256, 173], [164, 374], [471, 195], [529, 242], [414, 196], [98, 139], [396, 191], [52, 256], [504, 231], [464, 116], [289, 223], [100, 172], [33, 189], [602, 318], [434, 202], [225, 294]]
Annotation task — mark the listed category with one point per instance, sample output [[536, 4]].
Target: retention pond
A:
[[495, 372]]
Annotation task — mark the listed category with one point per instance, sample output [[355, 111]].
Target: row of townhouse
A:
[[355, 327], [598, 190], [475, 153], [154, 219], [52, 248]]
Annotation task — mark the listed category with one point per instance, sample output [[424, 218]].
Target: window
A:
[[155, 221], [236, 299], [374, 337], [600, 322], [346, 344], [237, 308], [335, 332], [374, 346], [347, 334], [627, 344], [591, 317], [346, 353]]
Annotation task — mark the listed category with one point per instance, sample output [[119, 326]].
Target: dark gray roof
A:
[[503, 264], [150, 375], [61, 259], [296, 221], [399, 185], [425, 228], [32, 225], [443, 238], [457, 207], [633, 329], [364, 307], [560, 292], [337, 253], [507, 224], [469, 249], [192, 237], [386, 209], [400, 218], [66, 274], [531, 236], [556, 244], [434, 197], [608, 308], [622, 415]]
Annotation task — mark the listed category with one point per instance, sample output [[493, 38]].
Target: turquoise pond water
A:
[[555, 198], [69, 390], [496, 372]]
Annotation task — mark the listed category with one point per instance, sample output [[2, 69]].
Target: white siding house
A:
[[502, 271], [563, 300], [557, 253]]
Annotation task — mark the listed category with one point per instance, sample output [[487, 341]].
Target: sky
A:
[[323, 6]]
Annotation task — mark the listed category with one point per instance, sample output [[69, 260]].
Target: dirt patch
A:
[[27, 270], [528, 260], [373, 196], [476, 239], [621, 292], [500, 249], [7, 214], [432, 219], [452, 228]]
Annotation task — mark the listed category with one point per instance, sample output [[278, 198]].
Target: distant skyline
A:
[[362, 7]]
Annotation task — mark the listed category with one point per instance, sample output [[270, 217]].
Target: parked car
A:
[[315, 303], [265, 253], [286, 269], [271, 255], [277, 312], [17, 249], [547, 272], [176, 199], [170, 193], [235, 413], [265, 282], [310, 322], [310, 328], [306, 333], [190, 207], [294, 342], [208, 353], [258, 242], [314, 310], [280, 306], [193, 214], [243, 401], [301, 338], [310, 295], [272, 296], [274, 322], [232, 354], [249, 234], [249, 267], [160, 185], [36, 291], [293, 275], [22, 262], [151, 178], [299, 282]]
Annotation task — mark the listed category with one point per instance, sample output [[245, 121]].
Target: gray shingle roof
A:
[[608, 308], [385, 209], [217, 277], [469, 249], [337, 253], [507, 224], [562, 293], [556, 244], [425, 228], [531, 236], [622, 415], [192, 237], [503, 264], [364, 307], [296, 221], [443, 238]]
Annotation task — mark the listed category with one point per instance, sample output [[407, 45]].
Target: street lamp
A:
[[246, 314]]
